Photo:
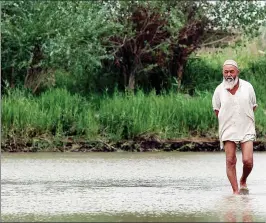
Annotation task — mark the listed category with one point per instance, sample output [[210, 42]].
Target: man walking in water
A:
[[234, 103]]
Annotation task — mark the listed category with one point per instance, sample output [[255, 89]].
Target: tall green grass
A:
[[121, 116], [55, 112], [169, 115]]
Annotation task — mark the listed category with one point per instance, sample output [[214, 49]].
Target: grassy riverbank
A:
[[57, 114], [121, 116], [58, 119]]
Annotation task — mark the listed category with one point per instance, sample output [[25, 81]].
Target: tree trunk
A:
[[11, 80], [179, 75], [132, 77], [131, 81], [125, 76]]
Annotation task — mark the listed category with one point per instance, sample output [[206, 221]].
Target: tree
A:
[[27, 29], [138, 36], [39, 37], [186, 25], [139, 48]]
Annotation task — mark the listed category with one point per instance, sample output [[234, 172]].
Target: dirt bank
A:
[[136, 145]]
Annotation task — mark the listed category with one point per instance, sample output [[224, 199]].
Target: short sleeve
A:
[[216, 101], [252, 96]]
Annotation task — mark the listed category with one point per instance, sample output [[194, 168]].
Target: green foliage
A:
[[238, 16], [168, 116], [55, 112], [69, 35], [255, 74], [81, 48], [201, 75], [26, 24], [74, 42], [74, 35], [120, 116]]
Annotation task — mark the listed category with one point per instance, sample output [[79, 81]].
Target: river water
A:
[[137, 187]]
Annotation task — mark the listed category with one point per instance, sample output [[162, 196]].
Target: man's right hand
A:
[[216, 112]]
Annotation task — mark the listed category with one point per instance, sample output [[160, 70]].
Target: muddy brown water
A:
[[155, 186]]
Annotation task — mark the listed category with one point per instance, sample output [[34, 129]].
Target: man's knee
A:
[[248, 162], [231, 161]]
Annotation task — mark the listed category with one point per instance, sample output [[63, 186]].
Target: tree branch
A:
[[216, 41]]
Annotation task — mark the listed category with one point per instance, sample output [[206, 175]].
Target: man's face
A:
[[230, 72]]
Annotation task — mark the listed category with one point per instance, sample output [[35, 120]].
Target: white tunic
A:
[[236, 115]]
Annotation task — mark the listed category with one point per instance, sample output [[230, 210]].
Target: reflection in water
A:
[[238, 209], [117, 217], [141, 187]]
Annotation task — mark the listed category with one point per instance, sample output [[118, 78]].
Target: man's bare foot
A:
[[236, 193], [243, 187]]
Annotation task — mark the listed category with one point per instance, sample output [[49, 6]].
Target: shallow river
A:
[[128, 187]]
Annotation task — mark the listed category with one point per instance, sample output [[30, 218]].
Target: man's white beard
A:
[[230, 83]]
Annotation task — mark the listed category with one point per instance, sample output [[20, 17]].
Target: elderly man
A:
[[234, 102]]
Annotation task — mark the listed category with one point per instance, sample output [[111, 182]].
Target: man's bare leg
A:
[[230, 151], [247, 158]]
